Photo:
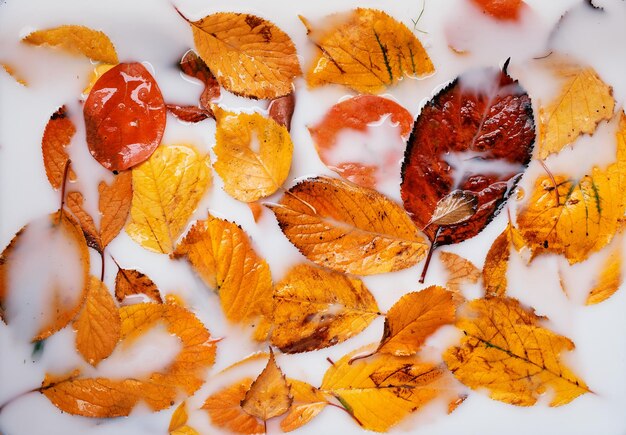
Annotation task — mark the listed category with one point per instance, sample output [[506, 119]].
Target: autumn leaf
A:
[[506, 10], [315, 308], [249, 55], [382, 390], [190, 114], [575, 218], [365, 50], [76, 39], [56, 248], [10, 70], [129, 282], [456, 207], [98, 324], [281, 109], [178, 422], [308, 401], [584, 101], [104, 398], [414, 318], [497, 261], [192, 65], [256, 209], [609, 279], [506, 350], [56, 137], [222, 254], [95, 75], [357, 114], [253, 154], [460, 270], [476, 136], [124, 117], [348, 228], [166, 190], [224, 409]]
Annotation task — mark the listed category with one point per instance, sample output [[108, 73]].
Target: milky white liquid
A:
[[150, 31]]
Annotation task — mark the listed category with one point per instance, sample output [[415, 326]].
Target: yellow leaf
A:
[[497, 261], [586, 215], [584, 101], [253, 154], [98, 324], [166, 190], [348, 228], [114, 205], [11, 71], [76, 39], [224, 408], [102, 397], [382, 390], [269, 394], [56, 137], [248, 55], [610, 278], [221, 253], [507, 351], [366, 50], [308, 401], [185, 430], [55, 249], [95, 75], [460, 270], [315, 308], [130, 282], [179, 417], [414, 318]]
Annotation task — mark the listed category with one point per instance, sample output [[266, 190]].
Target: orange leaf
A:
[[609, 279], [56, 136], [10, 70], [98, 324], [348, 228], [256, 209], [130, 282], [497, 261], [74, 202], [114, 205], [308, 401], [179, 417], [460, 271], [224, 408], [269, 395], [501, 9]]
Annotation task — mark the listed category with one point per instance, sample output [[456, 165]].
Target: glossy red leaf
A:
[[191, 114], [475, 135], [124, 117], [192, 65]]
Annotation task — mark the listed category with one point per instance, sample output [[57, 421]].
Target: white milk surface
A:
[[151, 31]]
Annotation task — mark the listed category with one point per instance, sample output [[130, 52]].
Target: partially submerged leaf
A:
[[454, 208], [253, 154], [190, 114], [459, 271], [414, 318], [129, 282], [584, 101], [224, 409], [609, 279], [56, 136], [308, 401], [281, 109], [348, 228], [98, 325], [10, 70], [76, 39], [366, 50], [382, 390], [315, 308], [166, 190], [506, 10], [179, 417], [269, 395], [506, 350], [249, 55], [192, 65], [124, 117], [497, 261], [221, 253]]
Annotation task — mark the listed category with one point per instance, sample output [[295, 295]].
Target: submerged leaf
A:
[[192, 65], [609, 279], [501, 9], [454, 208], [459, 271]]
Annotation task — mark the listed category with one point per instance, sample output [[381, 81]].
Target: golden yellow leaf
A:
[[315, 308], [460, 270], [221, 253], [166, 190], [584, 101], [505, 350], [382, 390], [308, 401], [102, 397], [178, 422], [366, 50], [586, 215], [66, 282], [224, 408], [185, 430], [414, 318], [56, 136], [130, 282], [76, 39], [95, 75], [248, 55], [609, 279], [253, 154], [348, 228], [269, 395], [10, 70], [98, 325], [497, 260]]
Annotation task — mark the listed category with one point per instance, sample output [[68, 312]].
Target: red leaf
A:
[[476, 135], [281, 109], [501, 9], [190, 113], [124, 117], [192, 65]]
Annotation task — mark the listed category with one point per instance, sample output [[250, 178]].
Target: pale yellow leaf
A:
[[609, 279]]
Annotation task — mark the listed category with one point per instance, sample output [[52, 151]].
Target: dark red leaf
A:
[[124, 117], [281, 109], [476, 135], [192, 65], [190, 113]]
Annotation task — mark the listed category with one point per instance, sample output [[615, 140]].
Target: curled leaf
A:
[[191, 114], [56, 136], [281, 109], [192, 65]]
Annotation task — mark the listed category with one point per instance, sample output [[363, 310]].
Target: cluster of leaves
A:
[[343, 225]]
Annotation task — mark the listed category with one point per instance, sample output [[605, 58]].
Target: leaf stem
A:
[[346, 411], [433, 246], [102, 261], [18, 396], [66, 171], [556, 186]]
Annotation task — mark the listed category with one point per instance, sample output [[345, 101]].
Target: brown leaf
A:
[[454, 208], [56, 136], [191, 114], [192, 65], [130, 282]]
